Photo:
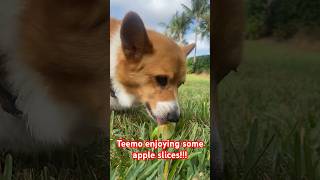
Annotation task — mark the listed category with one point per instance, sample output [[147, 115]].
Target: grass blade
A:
[[7, 174]]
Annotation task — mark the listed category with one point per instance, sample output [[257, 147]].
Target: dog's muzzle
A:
[[164, 111]]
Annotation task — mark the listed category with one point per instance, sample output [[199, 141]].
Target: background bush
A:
[[202, 64], [281, 18], [256, 18]]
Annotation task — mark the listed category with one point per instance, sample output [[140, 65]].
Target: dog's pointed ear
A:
[[188, 48], [134, 37]]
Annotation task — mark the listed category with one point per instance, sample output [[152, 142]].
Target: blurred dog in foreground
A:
[[228, 28], [53, 88]]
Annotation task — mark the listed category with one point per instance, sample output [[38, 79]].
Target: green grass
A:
[[75, 163], [270, 113], [193, 125], [271, 127], [71, 163]]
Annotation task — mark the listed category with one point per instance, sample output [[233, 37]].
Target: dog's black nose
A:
[[173, 117]]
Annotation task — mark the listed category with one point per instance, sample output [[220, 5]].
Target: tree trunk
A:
[[195, 48], [181, 38]]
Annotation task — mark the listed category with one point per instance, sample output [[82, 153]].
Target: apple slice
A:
[[164, 131]]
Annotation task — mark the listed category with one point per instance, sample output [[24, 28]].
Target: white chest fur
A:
[[124, 99], [45, 120]]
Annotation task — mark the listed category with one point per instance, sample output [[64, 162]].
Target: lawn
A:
[[271, 126], [193, 125], [270, 113], [68, 164], [90, 162]]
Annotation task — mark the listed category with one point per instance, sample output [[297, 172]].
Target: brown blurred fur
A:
[[228, 27], [65, 42]]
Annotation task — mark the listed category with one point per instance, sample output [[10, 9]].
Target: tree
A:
[[198, 11], [177, 27], [257, 17], [205, 25], [282, 19]]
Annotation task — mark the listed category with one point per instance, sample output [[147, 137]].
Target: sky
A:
[[154, 12]]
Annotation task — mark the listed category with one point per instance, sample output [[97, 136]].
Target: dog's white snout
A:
[[167, 110]]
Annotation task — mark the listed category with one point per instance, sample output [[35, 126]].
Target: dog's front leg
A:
[[228, 27], [216, 144]]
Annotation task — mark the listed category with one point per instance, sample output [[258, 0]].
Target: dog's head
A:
[[151, 67]]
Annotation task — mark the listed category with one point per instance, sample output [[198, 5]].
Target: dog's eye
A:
[[162, 80]]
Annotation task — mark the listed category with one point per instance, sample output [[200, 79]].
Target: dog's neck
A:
[[121, 98]]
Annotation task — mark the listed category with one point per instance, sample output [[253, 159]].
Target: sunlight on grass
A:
[[270, 112], [193, 125]]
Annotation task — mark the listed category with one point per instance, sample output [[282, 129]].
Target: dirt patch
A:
[[307, 42], [300, 42], [203, 74]]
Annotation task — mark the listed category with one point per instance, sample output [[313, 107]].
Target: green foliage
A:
[[194, 124], [255, 28], [310, 12], [197, 17], [256, 18], [177, 26], [72, 163], [281, 18], [199, 12], [270, 113], [8, 166], [284, 18], [202, 64]]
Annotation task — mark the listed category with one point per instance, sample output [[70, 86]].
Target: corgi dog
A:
[[54, 63], [146, 68]]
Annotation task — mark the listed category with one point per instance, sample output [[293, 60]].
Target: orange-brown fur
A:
[[167, 59], [65, 42]]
